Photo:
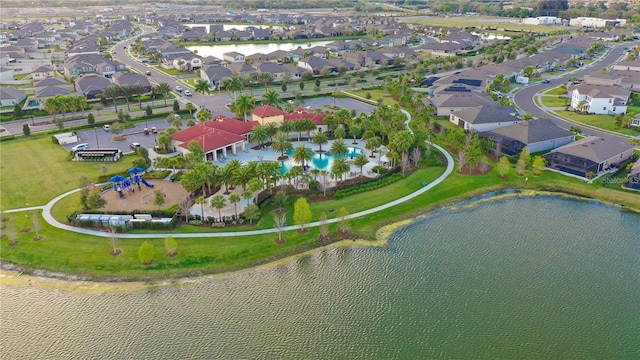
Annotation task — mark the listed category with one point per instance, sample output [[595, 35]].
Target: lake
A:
[[247, 49], [520, 277]]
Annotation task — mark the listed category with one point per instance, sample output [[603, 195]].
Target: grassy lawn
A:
[[35, 170], [375, 95], [536, 100], [606, 122], [552, 101], [554, 91], [169, 71], [484, 21]]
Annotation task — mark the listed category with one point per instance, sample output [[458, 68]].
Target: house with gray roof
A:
[[91, 85], [50, 91], [599, 99], [589, 155], [215, 75], [484, 118], [123, 78], [536, 135], [42, 72], [10, 95], [449, 103], [276, 70]]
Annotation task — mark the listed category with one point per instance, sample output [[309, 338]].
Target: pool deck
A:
[[267, 154]]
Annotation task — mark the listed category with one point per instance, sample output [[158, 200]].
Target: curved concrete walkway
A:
[[46, 211]]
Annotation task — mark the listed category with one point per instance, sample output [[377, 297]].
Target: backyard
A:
[[602, 121]]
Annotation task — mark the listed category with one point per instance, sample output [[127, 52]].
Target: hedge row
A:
[[368, 186]]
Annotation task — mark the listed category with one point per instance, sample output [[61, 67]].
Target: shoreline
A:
[[51, 281]]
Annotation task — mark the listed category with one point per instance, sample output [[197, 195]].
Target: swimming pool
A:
[[319, 161]]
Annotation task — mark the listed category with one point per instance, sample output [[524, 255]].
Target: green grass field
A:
[[375, 95], [606, 122], [35, 170], [554, 91], [482, 22], [553, 101]]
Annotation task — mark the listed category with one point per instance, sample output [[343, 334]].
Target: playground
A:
[[133, 192]]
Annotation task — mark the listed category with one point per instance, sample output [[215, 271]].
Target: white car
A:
[[106, 127], [187, 93], [135, 145], [179, 88], [79, 147]]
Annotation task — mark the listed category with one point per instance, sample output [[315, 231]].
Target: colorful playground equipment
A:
[[121, 183]]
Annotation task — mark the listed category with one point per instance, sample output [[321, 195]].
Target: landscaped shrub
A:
[[195, 222], [218, 225], [157, 174], [368, 186]]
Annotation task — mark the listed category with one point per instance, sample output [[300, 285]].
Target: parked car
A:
[[79, 147], [562, 69], [179, 88], [148, 73], [546, 81], [134, 145], [187, 93], [106, 127]]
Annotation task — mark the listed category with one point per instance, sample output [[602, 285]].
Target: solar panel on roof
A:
[[457, 89], [470, 82]]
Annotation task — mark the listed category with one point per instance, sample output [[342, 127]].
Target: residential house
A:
[[633, 179], [216, 138], [233, 57], [266, 114], [6, 74], [215, 75], [123, 78], [276, 70], [484, 118], [223, 35], [242, 69], [183, 62], [9, 96], [599, 99], [42, 72], [44, 93], [447, 104], [91, 64], [628, 65], [91, 85], [316, 65], [536, 135], [589, 155]]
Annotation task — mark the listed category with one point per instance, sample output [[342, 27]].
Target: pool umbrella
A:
[[117, 178], [135, 170]]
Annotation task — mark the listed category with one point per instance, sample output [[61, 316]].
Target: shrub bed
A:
[[368, 186]]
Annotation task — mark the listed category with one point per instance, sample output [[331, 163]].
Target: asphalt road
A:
[[524, 97]]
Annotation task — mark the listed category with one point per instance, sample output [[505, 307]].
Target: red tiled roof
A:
[[216, 139], [267, 111], [213, 135], [318, 119], [231, 125]]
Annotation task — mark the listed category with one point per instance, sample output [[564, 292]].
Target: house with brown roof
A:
[[266, 114], [589, 155], [301, 113], [216, 138], [536, 135]]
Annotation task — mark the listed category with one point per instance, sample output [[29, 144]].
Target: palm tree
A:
[[339, 148], [243, 104], [126, 92], [360, 160], [112, 92], [372, 144], [302, 154], [286, 127], [308, 125], [52, 106], [259, 135], [299, 126], [320, 139], [190, 108], [219, 202], [355, 130], [281, 144], [162, 89], [295, 172], [225, 176], [340, 167], [203, 86], [272, 130], [271, 97], [243, 175], [201, 200], [265, 78], [138, 89], [235, 199], [234, 84]]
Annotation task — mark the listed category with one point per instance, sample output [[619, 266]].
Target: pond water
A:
[[529, 278], [247, 49]]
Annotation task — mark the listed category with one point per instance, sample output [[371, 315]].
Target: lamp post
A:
[[95, 131], [32, 123]]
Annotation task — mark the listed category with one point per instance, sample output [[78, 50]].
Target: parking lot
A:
[[99, 138]]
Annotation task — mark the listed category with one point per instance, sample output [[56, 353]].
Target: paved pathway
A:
[[46, 211]]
